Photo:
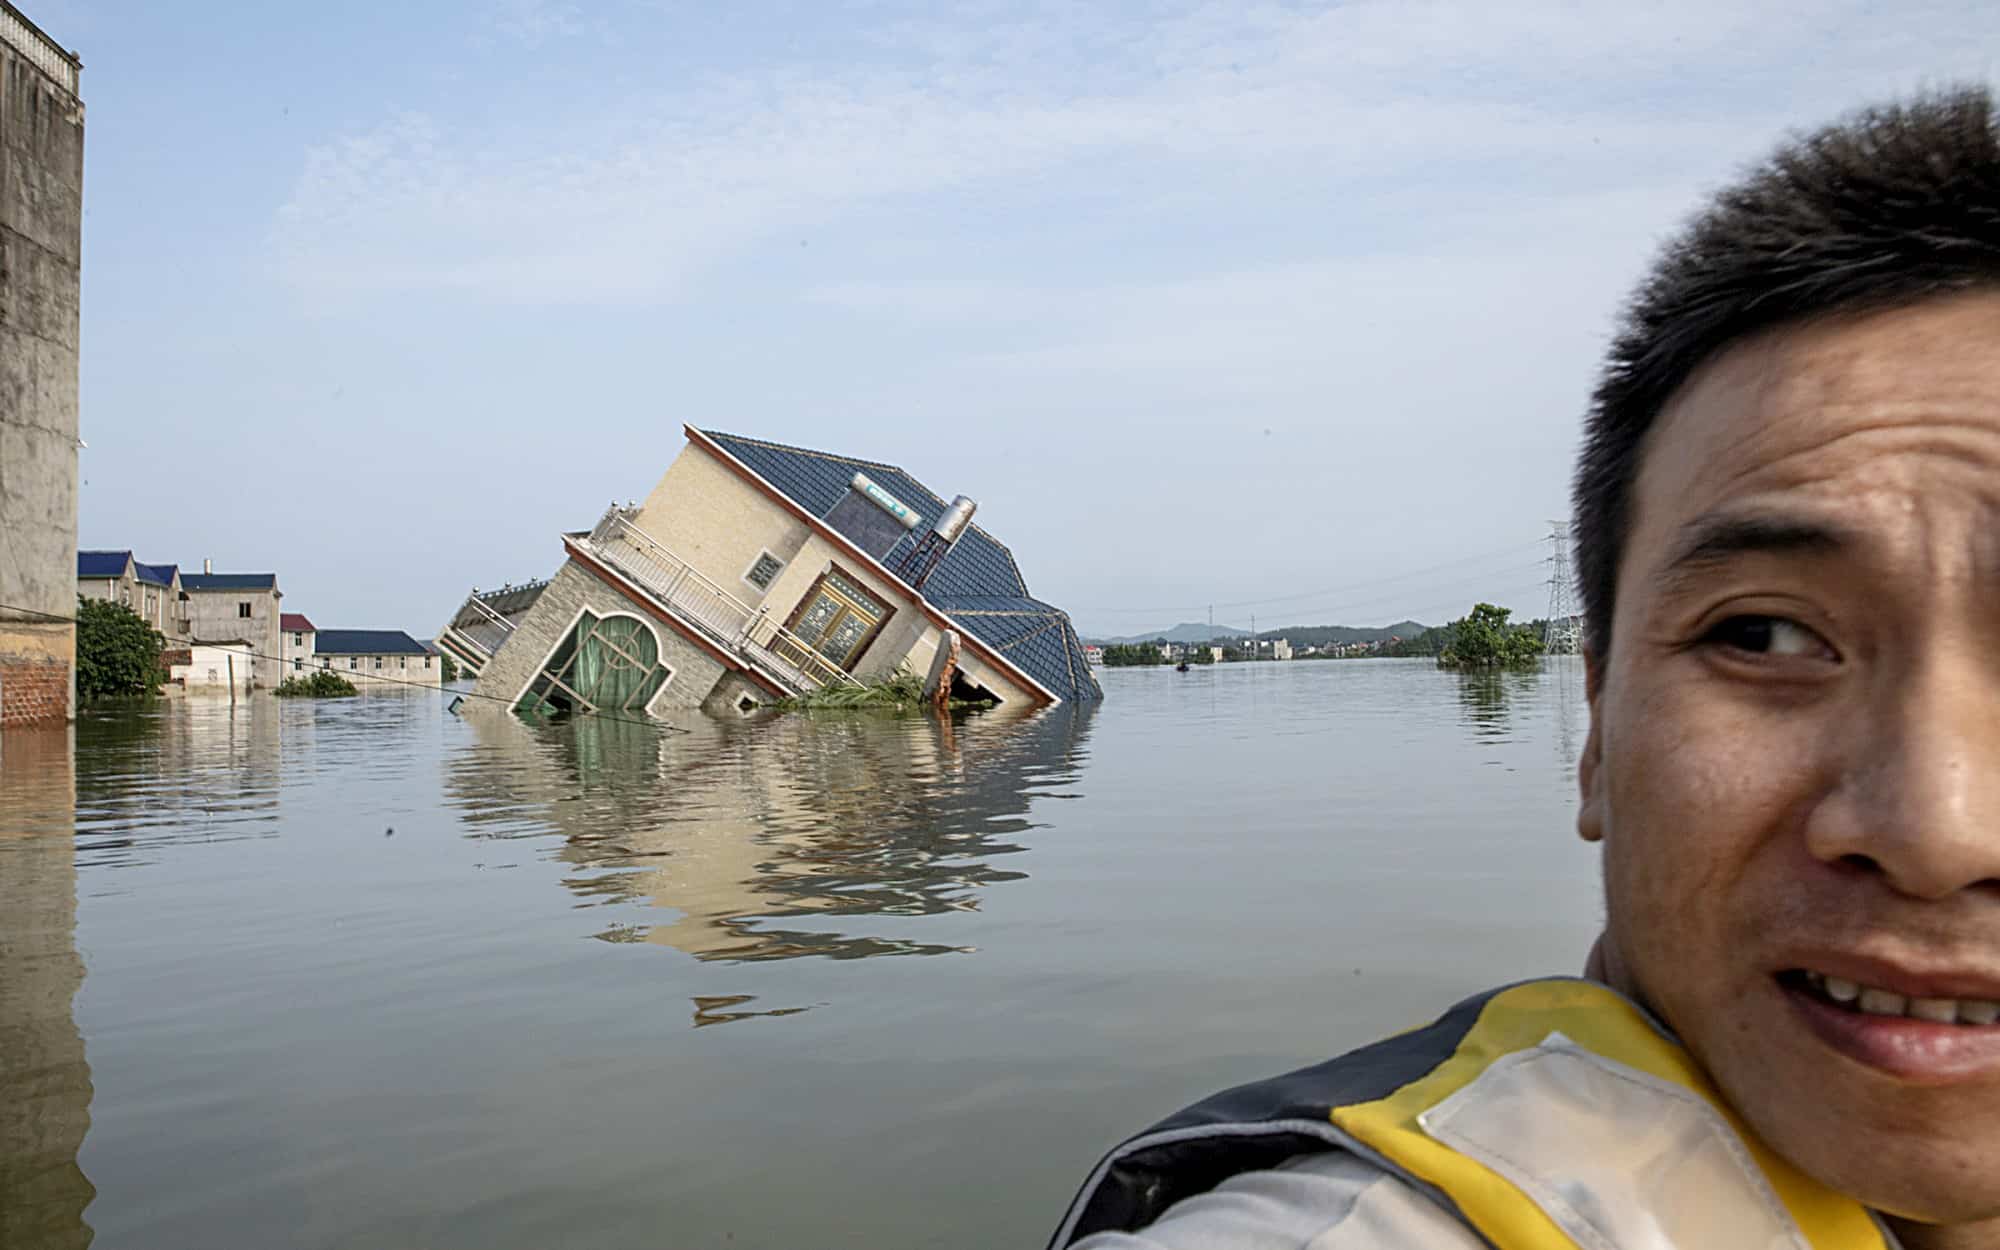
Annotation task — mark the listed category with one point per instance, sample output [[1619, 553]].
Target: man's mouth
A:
[[1923, 1038], [1874, 1001]]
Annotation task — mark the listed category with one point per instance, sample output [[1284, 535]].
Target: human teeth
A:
[[1866, 998], [1976, 1011], [1882, 1003]]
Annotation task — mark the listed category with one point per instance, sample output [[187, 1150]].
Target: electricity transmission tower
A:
[[1562, 633]]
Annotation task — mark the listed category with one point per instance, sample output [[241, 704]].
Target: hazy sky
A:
[[1203, 302]]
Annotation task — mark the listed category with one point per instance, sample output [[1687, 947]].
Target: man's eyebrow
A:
[[1714, 539]]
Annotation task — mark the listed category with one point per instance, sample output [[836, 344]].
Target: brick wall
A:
[[33, 692]]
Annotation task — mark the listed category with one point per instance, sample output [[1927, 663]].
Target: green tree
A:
[[116, 652], [1133, 655], [1430, 642], [448, 672], [1484, 639]]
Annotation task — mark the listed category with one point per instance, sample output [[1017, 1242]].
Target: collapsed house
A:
[[756, 572]]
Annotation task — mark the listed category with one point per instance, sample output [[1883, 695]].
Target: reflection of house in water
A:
[[756, 571], [185, 770], [45, 1085], [773, 839]]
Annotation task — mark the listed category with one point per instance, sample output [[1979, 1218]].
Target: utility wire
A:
[[369, 676]]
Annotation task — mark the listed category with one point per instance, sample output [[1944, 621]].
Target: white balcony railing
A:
[[44, 53], [750, 632]]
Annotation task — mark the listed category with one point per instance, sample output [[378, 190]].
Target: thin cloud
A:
[[634, 203], [535, 22]]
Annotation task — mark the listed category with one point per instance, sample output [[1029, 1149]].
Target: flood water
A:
[[366, 973]]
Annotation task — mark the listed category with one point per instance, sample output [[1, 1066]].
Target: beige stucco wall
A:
[[708, 516], [211, 665], [113, 589], [380, 670], [152, 604], [298, 649], [160, 607], [41, 249], [214, 617]]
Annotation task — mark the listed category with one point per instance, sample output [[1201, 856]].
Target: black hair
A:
[[1895, 204]]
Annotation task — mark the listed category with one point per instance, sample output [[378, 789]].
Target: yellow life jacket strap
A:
[[1600, 1021]]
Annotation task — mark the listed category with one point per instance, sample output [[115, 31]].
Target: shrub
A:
[[323, 684]]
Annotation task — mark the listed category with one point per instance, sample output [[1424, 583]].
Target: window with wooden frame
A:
[[838, 617], [609, 663], [764, 570]]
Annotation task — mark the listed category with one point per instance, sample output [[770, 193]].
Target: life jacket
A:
[[1550, 1115]]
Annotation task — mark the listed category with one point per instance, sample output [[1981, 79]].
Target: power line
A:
[[372, 677]]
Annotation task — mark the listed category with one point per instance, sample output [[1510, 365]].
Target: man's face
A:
[[1794, 758]]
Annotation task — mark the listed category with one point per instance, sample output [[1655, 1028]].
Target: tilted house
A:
[[483, 622], [756, 571]]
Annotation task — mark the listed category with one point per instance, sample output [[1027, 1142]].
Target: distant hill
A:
[[1297, 635], [1184, 632], [1321, 635]]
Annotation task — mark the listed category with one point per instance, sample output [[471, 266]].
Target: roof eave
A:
[[936, 615]]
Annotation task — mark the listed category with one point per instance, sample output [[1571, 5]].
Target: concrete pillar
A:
[[41, 224]]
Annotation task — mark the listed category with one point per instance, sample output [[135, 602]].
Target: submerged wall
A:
[[574, 589]]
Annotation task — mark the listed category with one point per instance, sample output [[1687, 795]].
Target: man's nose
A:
[[1920, 799]]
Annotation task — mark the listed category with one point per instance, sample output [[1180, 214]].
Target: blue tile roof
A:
[[157, 574], [101, 563], [979, 576], [229, 581], [366, 642]]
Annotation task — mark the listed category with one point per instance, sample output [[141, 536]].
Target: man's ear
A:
[[1590, 767]]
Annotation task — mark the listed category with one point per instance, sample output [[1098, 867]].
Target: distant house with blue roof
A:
[[756, 571], [381, 656], [239, 607], [153, 591]]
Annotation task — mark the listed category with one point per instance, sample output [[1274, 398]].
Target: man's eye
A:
[[1766, 635]]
